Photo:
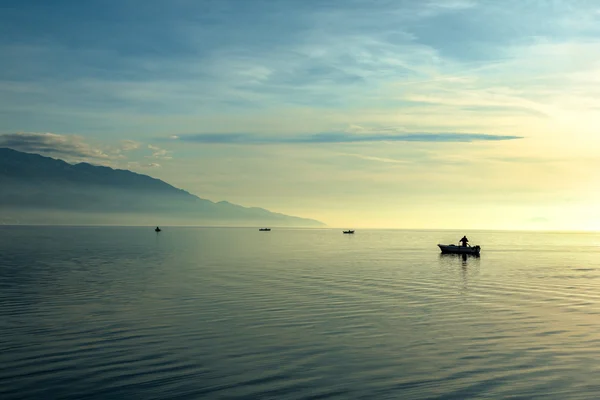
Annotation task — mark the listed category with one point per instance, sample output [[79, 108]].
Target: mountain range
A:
[[41, 190]]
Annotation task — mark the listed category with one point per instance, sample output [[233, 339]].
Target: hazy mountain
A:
[[38, 189]]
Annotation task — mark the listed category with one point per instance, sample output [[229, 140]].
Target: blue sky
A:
[[359, 113]]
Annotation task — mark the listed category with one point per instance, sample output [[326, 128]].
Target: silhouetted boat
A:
[[265, 229], [157, 229], [454, 249], [348, 232]]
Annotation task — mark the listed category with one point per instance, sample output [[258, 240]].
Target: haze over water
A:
[[114, 312]]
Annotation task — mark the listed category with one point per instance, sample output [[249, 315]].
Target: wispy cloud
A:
[[340, 137], [340, 55], [129, 145], [140, 165], [377, 159], [68, 147], [75, 148], [159, 153]]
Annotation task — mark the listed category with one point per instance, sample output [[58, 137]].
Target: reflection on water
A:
[[232, 313], [463, 257], [466, 265]]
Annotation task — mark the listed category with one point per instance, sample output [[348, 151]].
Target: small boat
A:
[[265, 229], [157, 229], [348, 232], [454, 249]]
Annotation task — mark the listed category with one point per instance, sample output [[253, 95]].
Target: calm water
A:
[[190, 313]]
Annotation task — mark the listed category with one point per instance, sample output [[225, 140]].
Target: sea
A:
[[234, 313]]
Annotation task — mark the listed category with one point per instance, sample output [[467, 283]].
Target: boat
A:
[[265, 229], [454, 249], [157, 229], [349, 232]]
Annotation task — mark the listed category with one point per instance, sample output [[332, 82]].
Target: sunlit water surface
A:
[[199, 313]]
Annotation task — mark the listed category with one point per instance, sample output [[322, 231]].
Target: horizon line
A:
[[466, 230]]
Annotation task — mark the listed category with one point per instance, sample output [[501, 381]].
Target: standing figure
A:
[[464, 241]]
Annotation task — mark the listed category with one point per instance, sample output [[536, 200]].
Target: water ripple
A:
[[93, 313]]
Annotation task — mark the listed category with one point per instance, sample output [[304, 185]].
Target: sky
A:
[[433, 114]]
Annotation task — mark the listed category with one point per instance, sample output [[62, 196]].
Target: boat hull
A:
[[453, 249]]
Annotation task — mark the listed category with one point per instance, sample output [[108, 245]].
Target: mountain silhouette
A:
[[39, 189]]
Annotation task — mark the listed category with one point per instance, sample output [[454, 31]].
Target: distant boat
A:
[[265, 229], [157, 229], [348, 232], [454, 249]]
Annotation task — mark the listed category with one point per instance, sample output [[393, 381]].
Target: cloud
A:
[[378, 159], [138, 165], [158, 153], [74, 148], [68, 147], [129, 145], [340, 137], [400, 59]]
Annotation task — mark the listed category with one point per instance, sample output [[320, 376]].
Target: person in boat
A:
[[464, 241]]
